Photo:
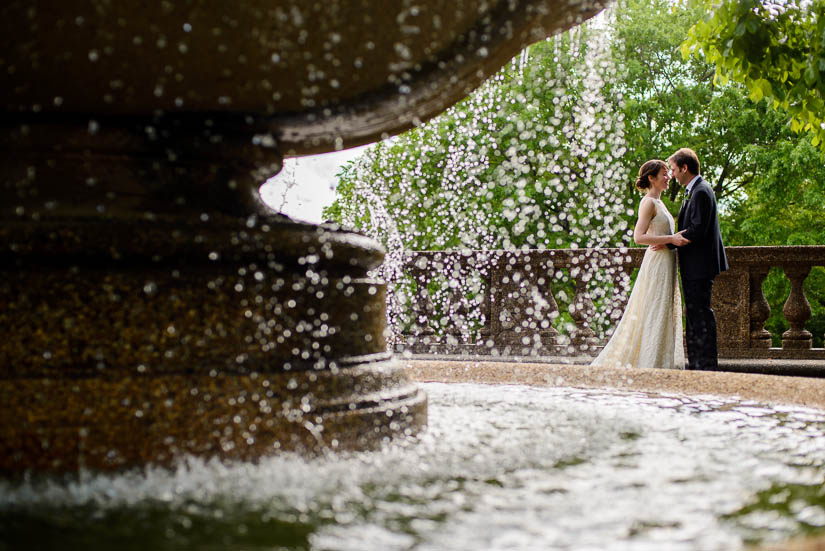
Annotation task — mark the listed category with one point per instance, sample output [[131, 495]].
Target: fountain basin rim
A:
[[170, 237], [398, 97]]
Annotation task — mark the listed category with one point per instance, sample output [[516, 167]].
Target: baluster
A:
[[486, 302], [457, 302], [501, 301], [515, 323], [507, 296], [544, 311], [531, 306], [760, 310], [621, 277], [619, 268], [797, 310], [581, 310], [422, 307]]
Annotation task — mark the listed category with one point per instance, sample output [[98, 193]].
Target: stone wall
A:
[[514, 307]]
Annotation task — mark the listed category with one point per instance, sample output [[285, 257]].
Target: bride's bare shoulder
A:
[[647, 204]]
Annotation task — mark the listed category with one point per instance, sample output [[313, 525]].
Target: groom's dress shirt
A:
[[690, 184]]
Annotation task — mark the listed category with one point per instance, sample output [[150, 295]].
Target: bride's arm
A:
[[647, 210]]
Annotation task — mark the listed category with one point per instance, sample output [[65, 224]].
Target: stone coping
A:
[[803, 391], [810, 367]]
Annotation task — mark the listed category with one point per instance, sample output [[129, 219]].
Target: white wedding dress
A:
[[650, 331]]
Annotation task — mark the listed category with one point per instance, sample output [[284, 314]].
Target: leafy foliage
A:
[[529, 160], [674, 102], [776, 49]]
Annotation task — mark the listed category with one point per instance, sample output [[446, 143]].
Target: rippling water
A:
[[500, 467]]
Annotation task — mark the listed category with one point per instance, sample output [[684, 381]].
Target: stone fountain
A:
[[150, 304]]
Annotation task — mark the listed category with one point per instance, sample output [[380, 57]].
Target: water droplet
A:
[[402, 50]]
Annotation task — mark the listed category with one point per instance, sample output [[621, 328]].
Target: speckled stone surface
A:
[[117, 319], [231, 340], [810, 544], [60, 424], [318, 74]]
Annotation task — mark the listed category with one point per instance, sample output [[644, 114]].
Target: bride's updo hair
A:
[[650, 168]]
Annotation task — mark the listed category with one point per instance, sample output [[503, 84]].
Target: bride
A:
[[650, 331]]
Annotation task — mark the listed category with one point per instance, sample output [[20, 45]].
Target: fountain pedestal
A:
[[150, 304], [143, 321]]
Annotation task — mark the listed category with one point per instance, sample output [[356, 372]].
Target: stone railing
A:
[[511, 302]]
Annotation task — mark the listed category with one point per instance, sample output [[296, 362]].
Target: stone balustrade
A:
[[566, 301]]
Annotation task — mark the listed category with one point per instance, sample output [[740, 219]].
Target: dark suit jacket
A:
[[704, 257]]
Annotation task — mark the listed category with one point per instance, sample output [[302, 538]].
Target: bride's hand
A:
[[679, 240]]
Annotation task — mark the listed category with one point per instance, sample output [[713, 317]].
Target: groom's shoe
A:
[[704, 366]]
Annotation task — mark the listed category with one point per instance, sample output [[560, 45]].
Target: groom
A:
[[701, 260]]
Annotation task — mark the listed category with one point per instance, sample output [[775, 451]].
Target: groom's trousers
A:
[[700, 330]]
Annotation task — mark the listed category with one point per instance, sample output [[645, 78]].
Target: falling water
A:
[[506, 179]]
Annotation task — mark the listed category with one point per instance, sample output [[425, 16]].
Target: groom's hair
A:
[[686, 156]]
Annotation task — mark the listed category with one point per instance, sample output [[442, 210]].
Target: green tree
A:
[[529, 160], [526, 130], [674, 102], [768, 179], [776, 52], [776, 49]]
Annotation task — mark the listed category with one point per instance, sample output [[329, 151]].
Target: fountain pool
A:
[[500, 467]]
